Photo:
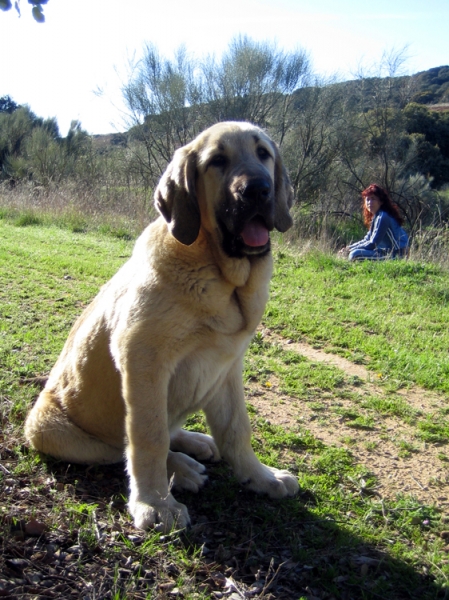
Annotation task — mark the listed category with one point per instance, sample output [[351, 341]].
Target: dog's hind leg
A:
[[49, 430], [187, 473], [196, 444]]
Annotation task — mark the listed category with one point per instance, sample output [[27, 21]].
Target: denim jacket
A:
[[385, 234]]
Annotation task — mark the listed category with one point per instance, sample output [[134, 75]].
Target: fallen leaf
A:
[[34, 527]]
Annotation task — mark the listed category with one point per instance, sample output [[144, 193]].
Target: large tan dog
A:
[[166, 336]]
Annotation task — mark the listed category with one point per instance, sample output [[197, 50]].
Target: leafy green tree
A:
[[14, 129], [433, 86], [44, 159], [7, 105], [52, 159], [429, 131], [32, 148]]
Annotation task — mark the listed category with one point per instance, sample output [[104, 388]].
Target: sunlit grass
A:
[[390, 317]]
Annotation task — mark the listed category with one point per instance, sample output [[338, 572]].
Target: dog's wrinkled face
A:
[[229, 180]]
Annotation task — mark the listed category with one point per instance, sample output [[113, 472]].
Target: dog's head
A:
[[229, 180]]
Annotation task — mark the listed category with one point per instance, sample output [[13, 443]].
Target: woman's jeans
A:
[[378, 254]]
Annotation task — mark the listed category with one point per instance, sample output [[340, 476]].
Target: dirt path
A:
[[419, 471]]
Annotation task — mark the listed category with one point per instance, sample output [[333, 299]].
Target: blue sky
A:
[[87, 44]]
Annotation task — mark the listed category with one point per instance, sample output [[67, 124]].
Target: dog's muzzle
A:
[[247, 216]]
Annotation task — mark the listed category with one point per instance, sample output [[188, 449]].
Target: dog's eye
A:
[[262, 153], [218, 161]]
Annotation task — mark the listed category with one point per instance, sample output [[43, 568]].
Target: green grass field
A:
[[346, 535]]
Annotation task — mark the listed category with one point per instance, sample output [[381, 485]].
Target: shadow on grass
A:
[[309, 556], [264, 548]]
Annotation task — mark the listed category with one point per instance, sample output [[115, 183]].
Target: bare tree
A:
[[311, 142], [170, 101], [255, 81], [164, 98]]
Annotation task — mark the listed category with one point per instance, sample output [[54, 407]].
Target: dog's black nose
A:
[[256, 189]]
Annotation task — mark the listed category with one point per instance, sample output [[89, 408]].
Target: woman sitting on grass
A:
[[385, 237]]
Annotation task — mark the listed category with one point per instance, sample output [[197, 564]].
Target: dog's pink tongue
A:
[[255, 233]]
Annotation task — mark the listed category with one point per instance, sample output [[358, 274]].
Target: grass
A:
[[394, 406], [338, 539], [77, 207], [393, 313]]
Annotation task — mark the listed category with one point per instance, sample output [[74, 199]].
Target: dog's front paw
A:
[[188, 474], [276, 483], [163, 515]]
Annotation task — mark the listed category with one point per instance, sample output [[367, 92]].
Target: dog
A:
[[166, 336]]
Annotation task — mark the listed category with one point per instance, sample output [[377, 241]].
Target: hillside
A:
[[430, 88], [433, 86]]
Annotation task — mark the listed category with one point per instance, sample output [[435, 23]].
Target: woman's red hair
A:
[[385, 204]]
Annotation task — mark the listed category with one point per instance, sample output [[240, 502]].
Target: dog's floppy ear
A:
[[175, 197], [283, 192]]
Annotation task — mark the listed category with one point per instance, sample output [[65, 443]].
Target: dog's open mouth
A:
[[252, 240], [255, 233]]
